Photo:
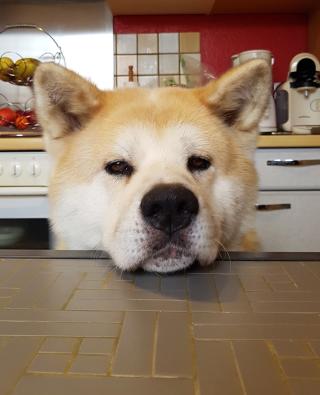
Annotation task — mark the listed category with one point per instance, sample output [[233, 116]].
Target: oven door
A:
[[24, 218]]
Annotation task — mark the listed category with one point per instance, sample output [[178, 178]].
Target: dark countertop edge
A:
[[87, 254]]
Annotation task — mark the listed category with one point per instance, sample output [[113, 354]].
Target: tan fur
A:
[[85, 128], [250, 242]]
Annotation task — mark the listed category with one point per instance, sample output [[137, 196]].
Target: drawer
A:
[[288, 169], [292, 222]]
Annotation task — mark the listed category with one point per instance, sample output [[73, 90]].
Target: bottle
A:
[[131, 83]]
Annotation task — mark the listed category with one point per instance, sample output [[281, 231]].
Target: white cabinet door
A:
[[289, 220]]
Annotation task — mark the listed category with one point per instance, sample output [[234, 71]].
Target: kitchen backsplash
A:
[[222, 35], [158, 59]]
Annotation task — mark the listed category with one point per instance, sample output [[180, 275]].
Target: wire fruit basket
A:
[[19, 70], [16, 104]]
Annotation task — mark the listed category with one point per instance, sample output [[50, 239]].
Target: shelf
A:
[[209, 7]]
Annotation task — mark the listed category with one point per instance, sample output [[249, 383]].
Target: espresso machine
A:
[[268, 122], [298, 99]]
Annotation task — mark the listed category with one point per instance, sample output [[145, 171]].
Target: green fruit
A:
[[6, 68], [24, 70]]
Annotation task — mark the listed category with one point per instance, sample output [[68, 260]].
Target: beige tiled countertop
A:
[[35, 143], [77, 326]]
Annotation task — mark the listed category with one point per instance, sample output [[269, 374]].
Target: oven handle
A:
[[23, 191]]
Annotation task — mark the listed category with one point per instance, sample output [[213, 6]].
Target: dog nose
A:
[[169, 207]]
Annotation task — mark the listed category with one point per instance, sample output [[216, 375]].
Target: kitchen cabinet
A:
[[288, 215], [213, 7]]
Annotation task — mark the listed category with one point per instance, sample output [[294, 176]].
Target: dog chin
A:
[[161, 265], [168, 259]]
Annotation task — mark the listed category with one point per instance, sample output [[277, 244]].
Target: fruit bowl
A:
[[17, 116], [19, 72], [18, 63], [18, 69]]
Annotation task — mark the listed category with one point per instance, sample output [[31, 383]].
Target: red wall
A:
[[223, 35]]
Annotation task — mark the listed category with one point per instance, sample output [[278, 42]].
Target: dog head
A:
[[158, 178]]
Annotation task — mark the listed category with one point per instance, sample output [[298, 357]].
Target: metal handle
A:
[[21, 26], [29, 26], [273, 207], [293, 162], [38, 28]]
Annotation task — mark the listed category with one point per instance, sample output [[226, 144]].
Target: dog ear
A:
[[64, 101], [241, 95]]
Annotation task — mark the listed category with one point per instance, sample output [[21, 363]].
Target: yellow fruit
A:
[[6, 68], [24, 70]]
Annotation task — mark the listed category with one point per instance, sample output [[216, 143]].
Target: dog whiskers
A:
[[225, 250]]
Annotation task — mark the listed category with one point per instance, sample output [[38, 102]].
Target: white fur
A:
[[82, 228]]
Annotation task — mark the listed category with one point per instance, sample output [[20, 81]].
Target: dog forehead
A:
[[147, 138]]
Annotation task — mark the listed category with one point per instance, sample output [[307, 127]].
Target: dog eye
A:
[[197, 163], [119, 168]]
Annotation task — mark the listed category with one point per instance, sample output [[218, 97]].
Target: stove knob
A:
[[16, 169], [1, 169], [35, 168]]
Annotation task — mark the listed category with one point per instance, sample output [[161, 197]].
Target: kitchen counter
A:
[[289, 141], [72, 324], [21, 144], [36, 144]]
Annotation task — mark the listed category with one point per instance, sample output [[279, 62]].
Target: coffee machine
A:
[[268, 121], [298, 99]]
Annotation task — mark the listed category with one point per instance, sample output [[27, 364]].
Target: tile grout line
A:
[[158, 59], [269, 284], [311, 348], [179, 60], [25, 370], [290, 277], [106, 281], [277, 362], [74, 354], [217, 294], [155, 343], [116, 345], [196, 382], [75, 289], [304, 266], [237, 366]]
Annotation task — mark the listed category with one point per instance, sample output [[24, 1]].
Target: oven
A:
[[23, 201], [77, 34]]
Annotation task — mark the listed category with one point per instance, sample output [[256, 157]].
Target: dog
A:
[[159, 178]]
